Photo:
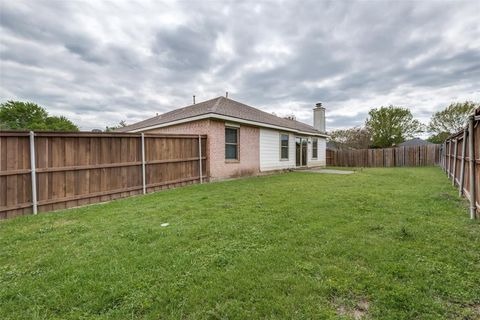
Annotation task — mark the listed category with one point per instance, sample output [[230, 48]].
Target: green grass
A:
[[380, 243]]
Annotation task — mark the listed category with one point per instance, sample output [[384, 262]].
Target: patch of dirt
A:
[[360, 311], [447, 196], [456, 199], [476, 310]]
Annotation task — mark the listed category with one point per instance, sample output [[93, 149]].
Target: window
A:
[[231, 143], [284, 146], [315, 148]]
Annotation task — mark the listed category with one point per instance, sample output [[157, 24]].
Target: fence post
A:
[[462, 164], [33, 172], [442, 156], [447, 158], [200, 157], [455, 146], [394, 157], [383, 156], [144, 182], [471, 153]]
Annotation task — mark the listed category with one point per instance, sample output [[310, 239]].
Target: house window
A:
[[231, 143], [315, 148], [284, 146]]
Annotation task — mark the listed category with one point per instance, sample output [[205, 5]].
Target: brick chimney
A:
[[319, 117]]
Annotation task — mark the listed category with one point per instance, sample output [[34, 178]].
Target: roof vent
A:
[[193, 99]]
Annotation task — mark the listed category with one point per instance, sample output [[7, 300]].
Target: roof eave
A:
[[228, 118]]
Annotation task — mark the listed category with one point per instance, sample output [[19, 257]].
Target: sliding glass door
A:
[[300, 152]]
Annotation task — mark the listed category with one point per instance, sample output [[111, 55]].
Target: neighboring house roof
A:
[[414, 142], [225, 109], [332, 145]]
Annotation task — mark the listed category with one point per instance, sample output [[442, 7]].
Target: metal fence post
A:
[[455, 147], [447, 158], [33, 172], [200, 158], [144, 182], [462, 164], [444, 156], [471, 154], [441, 156]]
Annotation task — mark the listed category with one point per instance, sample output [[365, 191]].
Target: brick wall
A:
[[249, 163]]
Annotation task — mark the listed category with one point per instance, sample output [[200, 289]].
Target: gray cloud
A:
[[100, 62]]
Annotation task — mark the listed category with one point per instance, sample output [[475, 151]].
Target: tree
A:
[[121, 124], [17, 115], [60, 124], [439, 138], [452, 119], [358, 138], [391, 125]]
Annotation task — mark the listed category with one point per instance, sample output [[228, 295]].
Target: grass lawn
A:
[[377, 244]]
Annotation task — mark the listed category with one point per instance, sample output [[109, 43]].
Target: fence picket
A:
[[388, 157], [72, 169]]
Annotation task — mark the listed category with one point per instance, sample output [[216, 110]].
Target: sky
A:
[[100, 62]]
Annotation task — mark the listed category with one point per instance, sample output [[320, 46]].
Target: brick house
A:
[[243, 140]]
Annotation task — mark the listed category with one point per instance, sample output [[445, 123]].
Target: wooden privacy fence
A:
[[46, 171], [411, 156], [461, 162]]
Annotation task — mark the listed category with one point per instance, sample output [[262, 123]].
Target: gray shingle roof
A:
[[414, 142], [224, 107]]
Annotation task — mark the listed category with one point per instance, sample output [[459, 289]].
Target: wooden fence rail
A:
[[461, 162], [390, 157], [73, 169]]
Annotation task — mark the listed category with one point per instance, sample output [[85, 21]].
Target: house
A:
[[243, 140], [415, 142]]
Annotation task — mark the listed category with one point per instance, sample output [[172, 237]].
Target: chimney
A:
[[319, 117], [193, 99]]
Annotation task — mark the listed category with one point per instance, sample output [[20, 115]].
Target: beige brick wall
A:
[[249, 162]]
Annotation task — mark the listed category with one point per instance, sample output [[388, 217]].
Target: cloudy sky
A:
[[99, 62]]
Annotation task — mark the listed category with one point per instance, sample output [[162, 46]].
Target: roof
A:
[[332, 145], [414, 142], [223, 108]]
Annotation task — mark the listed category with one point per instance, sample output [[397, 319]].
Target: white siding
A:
[[322, 146], [270, 150]]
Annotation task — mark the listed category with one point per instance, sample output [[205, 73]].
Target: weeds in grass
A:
[[379, 244]]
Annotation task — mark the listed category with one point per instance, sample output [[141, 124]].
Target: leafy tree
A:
[[391, 125], [17, 115], [439, 138], [60, 124], [121, 124], [358, 138], [452, 118]]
